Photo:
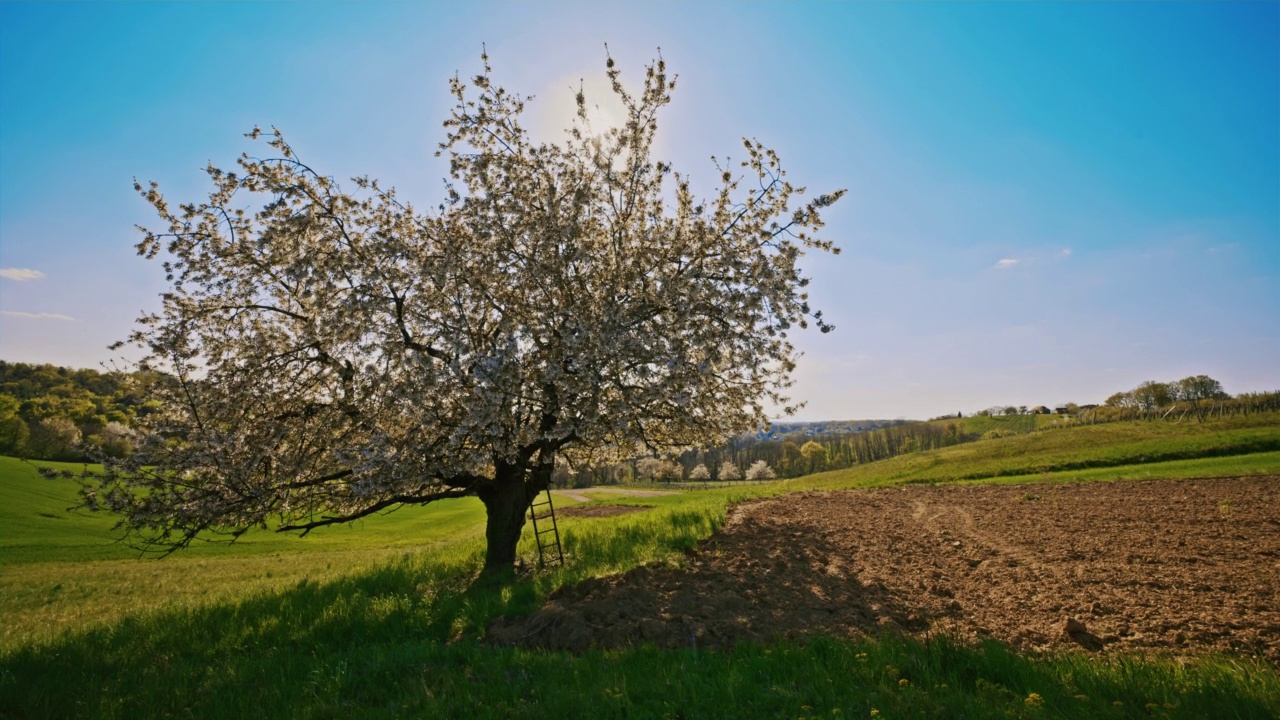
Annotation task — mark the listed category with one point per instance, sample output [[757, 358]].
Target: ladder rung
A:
[[546, 546]]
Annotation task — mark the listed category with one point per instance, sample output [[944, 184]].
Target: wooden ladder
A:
[[536, 513]]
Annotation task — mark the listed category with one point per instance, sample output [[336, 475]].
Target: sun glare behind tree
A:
[[331, 353]]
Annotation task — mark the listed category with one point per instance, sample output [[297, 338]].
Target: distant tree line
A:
[[56, 413], [802, 451], [749, 457], [1198, 396]]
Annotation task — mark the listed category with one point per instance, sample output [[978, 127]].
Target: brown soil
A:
[[592, 511], [1187, 566]]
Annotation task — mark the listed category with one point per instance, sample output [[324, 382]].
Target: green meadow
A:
[[1243, 445], [384, 619]]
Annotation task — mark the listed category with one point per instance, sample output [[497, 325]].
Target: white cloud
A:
[[1064, 252], [20, 274], [1006, 263], [36, 316]]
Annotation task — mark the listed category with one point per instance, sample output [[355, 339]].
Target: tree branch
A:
[[272, 308], [409, 342], [307, 527]]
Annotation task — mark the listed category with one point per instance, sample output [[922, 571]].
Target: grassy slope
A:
[[357, 622], [1005, 424], [41, 526], [1010, 424], [1207, 450], [62, 569]]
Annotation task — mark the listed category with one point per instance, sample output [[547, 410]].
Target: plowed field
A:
[[1185, 566]]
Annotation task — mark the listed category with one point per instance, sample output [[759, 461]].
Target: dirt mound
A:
[[600, 510], [1189, 566]]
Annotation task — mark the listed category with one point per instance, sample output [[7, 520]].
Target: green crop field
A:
[[980, 425], [1245, 445], [383, 619]]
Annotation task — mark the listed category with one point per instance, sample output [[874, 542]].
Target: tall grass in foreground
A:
[[386, 621], [404, 640]]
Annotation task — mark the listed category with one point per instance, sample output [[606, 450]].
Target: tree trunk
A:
[[506, 502]]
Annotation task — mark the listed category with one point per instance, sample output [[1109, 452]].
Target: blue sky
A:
[[1048, 202]]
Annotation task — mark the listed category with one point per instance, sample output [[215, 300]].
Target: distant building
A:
[[1039, 410]]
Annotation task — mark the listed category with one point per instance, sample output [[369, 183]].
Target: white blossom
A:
[[325, 354], [729, 471], [760, 470]]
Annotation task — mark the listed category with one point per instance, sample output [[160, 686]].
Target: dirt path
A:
[[603, 493], [1185, 566]]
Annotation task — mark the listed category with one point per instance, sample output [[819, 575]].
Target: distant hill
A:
[[791, 430]]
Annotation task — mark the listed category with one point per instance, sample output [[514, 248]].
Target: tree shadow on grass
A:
[[313, 644], [770, 577], [400, 640], [214, 657]]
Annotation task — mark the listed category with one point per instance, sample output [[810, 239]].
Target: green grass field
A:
[[1233, 446], [383, 619], [1006, 424], [1001, 425]]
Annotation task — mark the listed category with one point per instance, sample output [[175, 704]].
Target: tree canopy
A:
[[46, 411], [329, 354]]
